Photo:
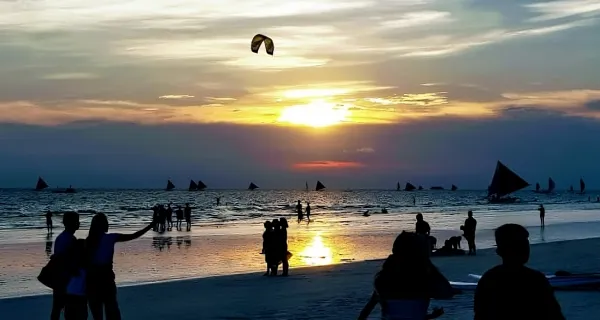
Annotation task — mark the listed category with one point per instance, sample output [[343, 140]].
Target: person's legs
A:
[[286, 265], [111, 306], [96, 306], [58, 303], [76, 308]]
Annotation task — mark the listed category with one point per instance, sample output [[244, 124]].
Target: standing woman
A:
[[284, 246], [101, 287]]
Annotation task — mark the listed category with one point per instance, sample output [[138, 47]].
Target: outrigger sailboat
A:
[[551, 187], [504, 182], [170, 185], [252, 186], [41, 184], [319, 186]]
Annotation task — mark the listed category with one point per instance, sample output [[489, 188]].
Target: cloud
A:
[[70, 76], [175, 96], [327, 164], [419, 18], [365, 150], [593, 105], [551, 10]]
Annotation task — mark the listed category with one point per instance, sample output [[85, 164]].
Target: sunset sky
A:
[[359, 93]]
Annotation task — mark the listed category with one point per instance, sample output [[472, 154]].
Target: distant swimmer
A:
[[366, 213], [542, 211], [299, 211]]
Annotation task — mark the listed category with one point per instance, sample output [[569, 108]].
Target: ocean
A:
[[226, 239]]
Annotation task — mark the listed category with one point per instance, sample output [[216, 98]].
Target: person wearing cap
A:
[[511, 290]]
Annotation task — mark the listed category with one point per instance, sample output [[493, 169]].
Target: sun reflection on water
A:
[[317, 253]]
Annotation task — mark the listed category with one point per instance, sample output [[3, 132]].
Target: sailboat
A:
[[306, 186], [436, 188], [170, 185], [201, 185], [420, 188], [409, 187], [581, 186], [319, 186], [252, 186], [193, 186], [551, 187], [398, 188], [454, 188], [504, 182], [41, 184]]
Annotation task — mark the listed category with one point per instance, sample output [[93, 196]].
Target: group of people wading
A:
[[80, 272]]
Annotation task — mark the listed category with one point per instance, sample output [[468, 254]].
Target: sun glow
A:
[[318, 113], [317, 254]]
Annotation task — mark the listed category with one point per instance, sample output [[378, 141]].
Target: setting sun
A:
[[316, 114]]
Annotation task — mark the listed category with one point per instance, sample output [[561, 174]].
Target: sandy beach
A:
[[326, 292]]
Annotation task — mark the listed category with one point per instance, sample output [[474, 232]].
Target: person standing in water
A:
[[188, 217], [169, 218], [511, 290], [469, 232], [49, 221], [542, 211], [100, 247], [299, 211], [308, 211], [179, 216], [218, 201]]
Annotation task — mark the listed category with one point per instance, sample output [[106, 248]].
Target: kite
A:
[[258, 40]]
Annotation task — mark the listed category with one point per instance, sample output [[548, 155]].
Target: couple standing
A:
[[81, 271], [301, 213]]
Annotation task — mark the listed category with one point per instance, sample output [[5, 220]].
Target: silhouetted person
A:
[[414, 201], [268, 245], [422, 227], [155, 216], [63, 244], [283, 244], [542, 211], [276, 246], [408, 281], [49, 221], [162, 218], [308, 211], [469, 232], [218, 201], [76, 304], [169, 218], [299, 211], [512, 290], [188, 216], [179, 216], [101, 287]]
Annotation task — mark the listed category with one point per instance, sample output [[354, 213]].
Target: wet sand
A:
[[327, 292]]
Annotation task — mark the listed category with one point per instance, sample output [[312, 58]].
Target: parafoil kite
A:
[[258, 40]]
